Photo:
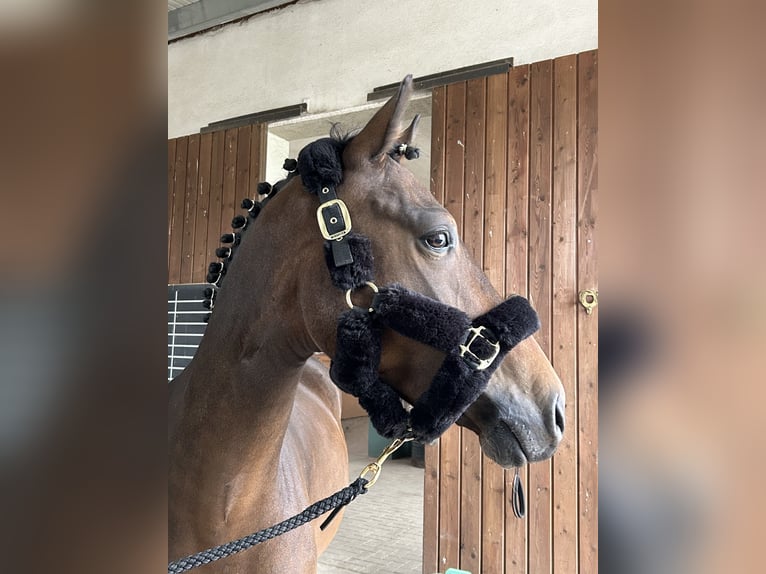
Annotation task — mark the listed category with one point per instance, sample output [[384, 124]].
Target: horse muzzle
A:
[[516, 429]]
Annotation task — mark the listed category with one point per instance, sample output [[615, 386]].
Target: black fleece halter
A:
[[473, 348]]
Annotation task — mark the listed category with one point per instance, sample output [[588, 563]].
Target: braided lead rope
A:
[[335, 501]]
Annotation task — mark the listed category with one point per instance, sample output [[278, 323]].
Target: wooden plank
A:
[[495, 182], [470, 501], [473, 238], [587, 325], [438, 128], [516, 263], [517, 225], [431, 509], [454, 152], [496, 143], [177, 218], [171, 174], [563, 337], [190, 209], [242, 184], [539, 491], [431, 488], [473, 193], [229, 203], [255, 161], [449, 499], [258, 140], [200, 258], [214, 224], [263, 151], [449, 456]]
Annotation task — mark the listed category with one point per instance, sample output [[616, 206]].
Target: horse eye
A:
[[438, 241]]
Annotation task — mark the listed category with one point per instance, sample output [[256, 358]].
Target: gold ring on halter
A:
[[351, 305]]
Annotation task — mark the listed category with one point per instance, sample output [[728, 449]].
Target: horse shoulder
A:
[[314, 457], [315, 446]]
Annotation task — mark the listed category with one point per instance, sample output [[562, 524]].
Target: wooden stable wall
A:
[[208, 176], [514, 159]]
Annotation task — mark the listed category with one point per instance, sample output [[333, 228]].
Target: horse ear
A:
[[409, 134], [382, 131]]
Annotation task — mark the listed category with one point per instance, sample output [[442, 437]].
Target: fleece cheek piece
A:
[[355, 370], [351, 276], [457, 384]]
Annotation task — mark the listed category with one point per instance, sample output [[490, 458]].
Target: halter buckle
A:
[[334, 219], [482, 357]]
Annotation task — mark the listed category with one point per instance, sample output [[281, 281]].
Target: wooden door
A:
[[514, 159]]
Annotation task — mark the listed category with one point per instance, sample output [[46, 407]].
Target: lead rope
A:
[[334, 502]]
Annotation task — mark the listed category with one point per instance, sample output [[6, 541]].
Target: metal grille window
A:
[[185, 325]]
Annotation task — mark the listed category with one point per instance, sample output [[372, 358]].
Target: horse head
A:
[[414, 242]]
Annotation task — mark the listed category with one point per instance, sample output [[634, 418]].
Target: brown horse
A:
[[254, 431]]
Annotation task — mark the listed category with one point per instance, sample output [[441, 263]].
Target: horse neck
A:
[[256, 342]]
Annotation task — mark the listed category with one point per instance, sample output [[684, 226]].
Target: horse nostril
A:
[[558, 413]]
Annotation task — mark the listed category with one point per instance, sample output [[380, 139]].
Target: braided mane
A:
[[216, 271]]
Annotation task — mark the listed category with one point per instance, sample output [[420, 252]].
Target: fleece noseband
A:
[[473, 348]]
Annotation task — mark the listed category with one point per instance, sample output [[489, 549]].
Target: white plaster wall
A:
[[331, 53], [277, 149]]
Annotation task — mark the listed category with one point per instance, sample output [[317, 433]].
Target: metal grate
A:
[[185, 325]]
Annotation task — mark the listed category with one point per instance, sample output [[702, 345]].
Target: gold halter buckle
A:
[[334, 219], [470, 356]]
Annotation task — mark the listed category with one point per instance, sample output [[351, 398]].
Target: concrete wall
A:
[[331, 53]]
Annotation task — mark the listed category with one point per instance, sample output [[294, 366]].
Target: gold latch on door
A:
[[589, 299]]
